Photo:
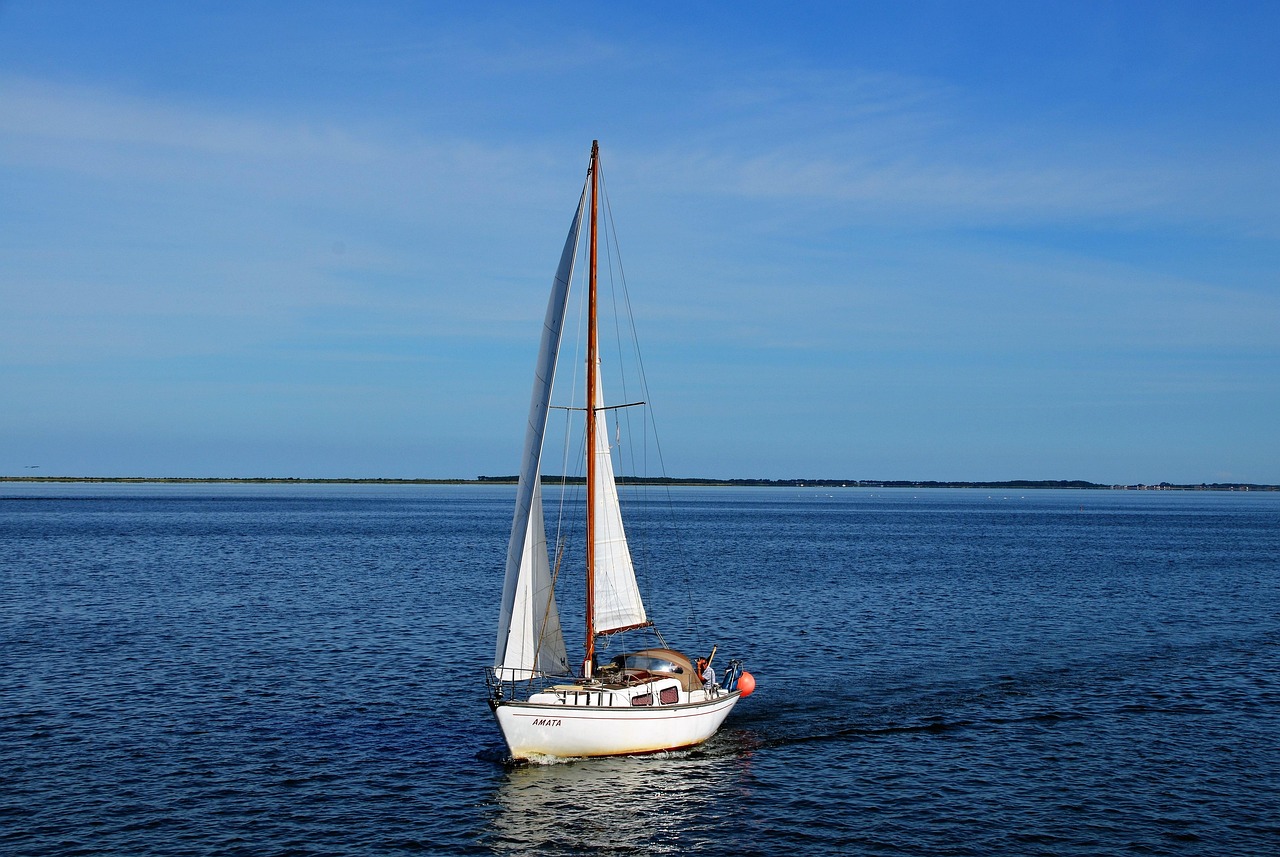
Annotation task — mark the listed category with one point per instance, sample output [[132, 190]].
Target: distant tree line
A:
[[891, 483], [1013, 484]]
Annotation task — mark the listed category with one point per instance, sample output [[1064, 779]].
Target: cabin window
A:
[[668, 696], [647, 699]]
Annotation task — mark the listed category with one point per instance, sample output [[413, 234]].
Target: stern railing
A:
[[731, 675]]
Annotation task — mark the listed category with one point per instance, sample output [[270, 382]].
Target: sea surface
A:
[[298, 670]]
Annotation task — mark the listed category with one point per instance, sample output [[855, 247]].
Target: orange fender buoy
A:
[[746, 683]]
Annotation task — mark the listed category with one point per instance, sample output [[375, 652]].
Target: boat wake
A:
[[1091, 689]]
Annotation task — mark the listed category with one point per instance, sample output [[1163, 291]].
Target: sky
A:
[[928, 240]]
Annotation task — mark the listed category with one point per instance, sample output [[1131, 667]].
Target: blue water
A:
[[293, 670]]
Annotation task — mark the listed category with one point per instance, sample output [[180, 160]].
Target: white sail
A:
[[616, 595], [530, 641], [535, 642]]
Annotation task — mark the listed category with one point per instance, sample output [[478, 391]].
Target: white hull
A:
[[574, 731]]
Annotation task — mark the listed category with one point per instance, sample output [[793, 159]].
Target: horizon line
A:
[[663, 480]]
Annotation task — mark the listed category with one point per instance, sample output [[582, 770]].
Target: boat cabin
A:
[[650, 664]]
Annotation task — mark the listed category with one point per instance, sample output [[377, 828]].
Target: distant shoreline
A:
[[1029, 484]]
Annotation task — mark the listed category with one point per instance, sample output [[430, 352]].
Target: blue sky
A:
[[911, 241]]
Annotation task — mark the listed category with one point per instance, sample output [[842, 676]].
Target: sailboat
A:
[[650, 699]]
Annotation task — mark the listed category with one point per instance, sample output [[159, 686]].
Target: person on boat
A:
[[706, 672]]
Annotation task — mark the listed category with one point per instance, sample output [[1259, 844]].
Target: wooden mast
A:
[[592, 357]]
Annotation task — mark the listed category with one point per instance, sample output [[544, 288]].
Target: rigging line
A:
[[640, 542], [613, 252], [573, 442], [651, 422], [641, 546], [566, 495], [597, 410], [635, 340], [555, 574]]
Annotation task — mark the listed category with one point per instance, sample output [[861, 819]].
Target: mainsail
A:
[[530, 641]]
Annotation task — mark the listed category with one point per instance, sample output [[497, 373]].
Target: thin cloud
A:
[[41, 114], [916, 151]]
